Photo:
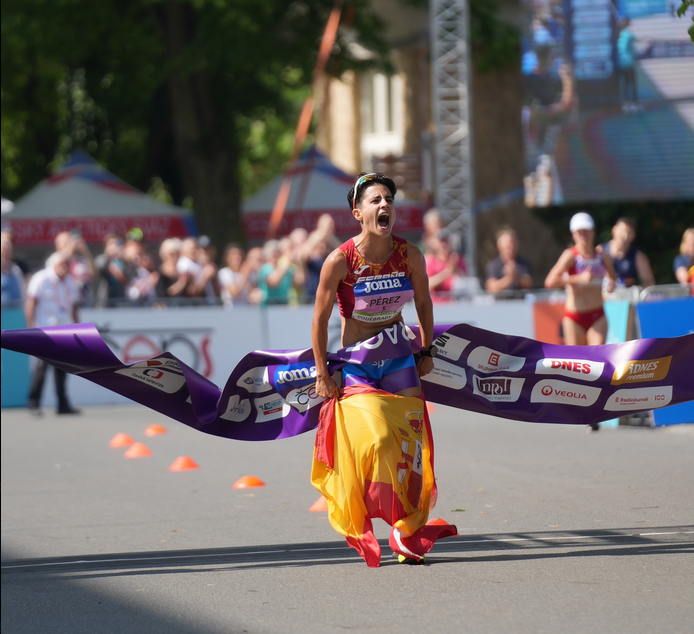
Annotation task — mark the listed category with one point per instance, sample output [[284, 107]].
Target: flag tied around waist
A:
[[271, 394]]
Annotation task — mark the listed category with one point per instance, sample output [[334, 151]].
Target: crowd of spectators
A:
[[185, 271], [286, 271]]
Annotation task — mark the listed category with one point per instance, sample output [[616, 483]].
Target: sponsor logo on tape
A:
[[446, 374], [581, 369], [486, 360], [555, 391], [237, 409], [450, 347], [639, 398], [270, 407], [638, 371], [397, 334], [498, 389], [255, 381], [166, 379], [169, 364], [304, 398], [295, 373]]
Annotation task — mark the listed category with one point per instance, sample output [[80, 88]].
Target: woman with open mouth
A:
[[374, 452]]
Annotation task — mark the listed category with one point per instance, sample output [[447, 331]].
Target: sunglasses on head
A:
[[360, 181]]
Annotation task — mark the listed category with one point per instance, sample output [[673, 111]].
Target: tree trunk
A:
[[208, 160]]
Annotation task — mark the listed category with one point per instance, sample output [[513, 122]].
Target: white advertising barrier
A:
[[508, 317], [212, 340]]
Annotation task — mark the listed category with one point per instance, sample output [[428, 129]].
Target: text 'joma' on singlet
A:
[[375, 292]]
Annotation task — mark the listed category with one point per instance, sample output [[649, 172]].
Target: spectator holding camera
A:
[[171, 282], [280, 276], [238, 280], [114, 272], [444, 266], [82, 266], [198, 267]]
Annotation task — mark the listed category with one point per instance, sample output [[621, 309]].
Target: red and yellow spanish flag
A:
[[374, 458]]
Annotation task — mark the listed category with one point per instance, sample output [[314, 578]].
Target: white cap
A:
[[581, 220]]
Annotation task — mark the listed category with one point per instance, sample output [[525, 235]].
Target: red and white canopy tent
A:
[[317, 188], [82, 195]]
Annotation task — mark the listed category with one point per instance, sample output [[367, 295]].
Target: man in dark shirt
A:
[[630, 264], [508, 272]]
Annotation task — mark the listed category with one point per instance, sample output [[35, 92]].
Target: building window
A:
[[382, 104]]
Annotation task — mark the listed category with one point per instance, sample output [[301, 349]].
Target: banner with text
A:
[[271, 394]]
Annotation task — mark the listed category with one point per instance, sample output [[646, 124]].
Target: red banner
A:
[[408, 218], [38, 231]]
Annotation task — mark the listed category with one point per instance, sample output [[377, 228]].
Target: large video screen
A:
[[608, 101]]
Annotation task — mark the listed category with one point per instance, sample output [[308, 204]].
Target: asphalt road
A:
[[560, 531]]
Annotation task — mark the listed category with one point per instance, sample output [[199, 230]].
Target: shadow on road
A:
[[467, 548]]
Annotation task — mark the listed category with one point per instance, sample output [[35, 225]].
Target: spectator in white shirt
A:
[[52, 299], [199, 275], [187, 264], [238, 280]]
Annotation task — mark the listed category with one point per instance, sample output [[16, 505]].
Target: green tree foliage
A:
[[495, 43], [682, 9], [74, 74], [203, 94]]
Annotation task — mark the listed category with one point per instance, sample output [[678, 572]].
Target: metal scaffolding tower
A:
[[450, 71]]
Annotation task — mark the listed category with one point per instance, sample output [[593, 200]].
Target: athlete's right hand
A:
[[326, 387], [585, 277]]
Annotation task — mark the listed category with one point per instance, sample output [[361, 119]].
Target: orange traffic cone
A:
[[184, 463], [437, 522], [121, 440], [247, 482], [155, 430], [321, 504], [138, 450]]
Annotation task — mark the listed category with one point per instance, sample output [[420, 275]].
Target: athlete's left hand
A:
[[424, 365]]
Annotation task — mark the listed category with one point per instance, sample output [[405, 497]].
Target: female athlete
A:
[[581, 269], [374, 455]]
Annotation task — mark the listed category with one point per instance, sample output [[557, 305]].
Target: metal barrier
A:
[[666, 291]]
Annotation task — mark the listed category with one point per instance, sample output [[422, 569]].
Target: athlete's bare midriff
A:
[[583, 299], [354, 331]]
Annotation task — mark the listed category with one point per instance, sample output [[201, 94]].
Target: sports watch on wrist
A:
[[431, 351]]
